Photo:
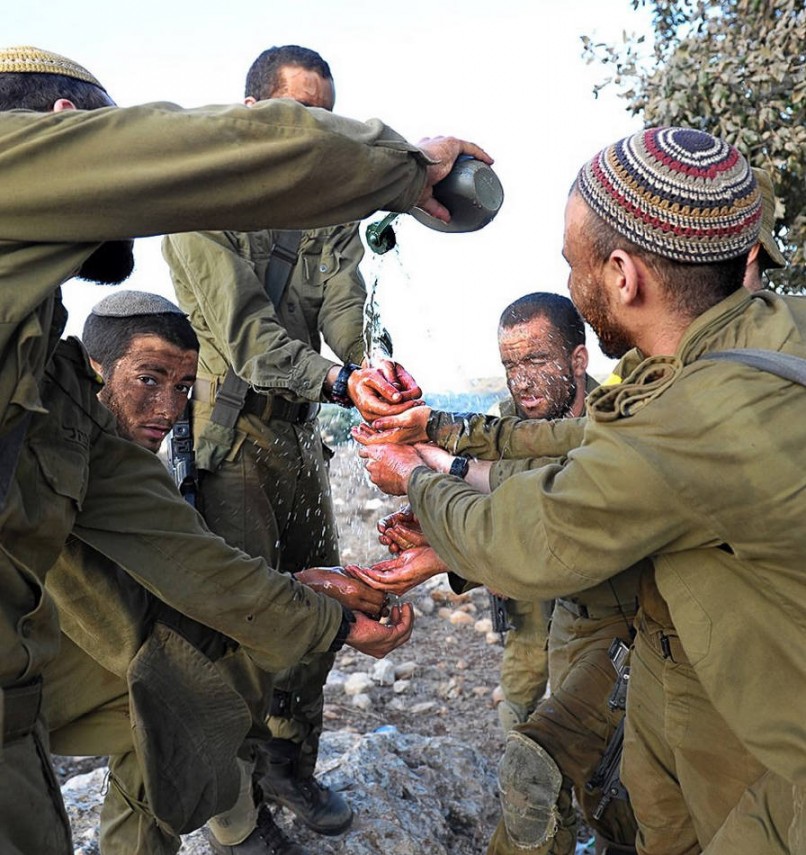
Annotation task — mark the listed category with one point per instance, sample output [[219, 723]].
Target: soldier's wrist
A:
[[340, 390], [347, 620]]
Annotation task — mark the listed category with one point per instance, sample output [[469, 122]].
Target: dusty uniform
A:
[[715, 502], [68, 468], [525, 663], [264, 484]]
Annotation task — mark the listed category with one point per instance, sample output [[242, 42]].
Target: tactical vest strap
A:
[[282, 259], [785, 365]]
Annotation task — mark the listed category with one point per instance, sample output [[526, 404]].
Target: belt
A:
[[580, 610], [261, 404], [665, 644], [21, 709]]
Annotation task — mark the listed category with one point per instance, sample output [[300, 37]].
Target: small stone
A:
[[362, 701], [423, 707], [460, 618], [444, 612], [400, 686], [357, 684], [336, 679], [406, 669], [460, 664], [493, 638], [479, 691], [484, 625], [426, 605], [383, 672]]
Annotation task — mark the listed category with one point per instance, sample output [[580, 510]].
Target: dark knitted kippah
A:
[[676, 192], [127, 304]]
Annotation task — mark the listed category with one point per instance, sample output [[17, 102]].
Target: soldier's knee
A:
[[529, 783], [511, 713]]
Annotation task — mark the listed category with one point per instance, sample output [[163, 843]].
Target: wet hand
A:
[[405, 571], [374, 395], [444, 150], [398, 377], [390, 466], [377, 639], [401, 530], [349, 590], [407, 427]]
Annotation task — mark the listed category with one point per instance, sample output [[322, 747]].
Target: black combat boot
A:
[[284, 782], [266, 839]]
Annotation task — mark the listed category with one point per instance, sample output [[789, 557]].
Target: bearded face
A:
[[110, 264], [586, 284]]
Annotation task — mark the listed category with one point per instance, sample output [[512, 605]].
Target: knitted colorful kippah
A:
[[32, 60], [676, 192]]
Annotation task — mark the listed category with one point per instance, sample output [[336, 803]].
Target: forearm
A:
[[133, 515], [492, 438], [157, 168]]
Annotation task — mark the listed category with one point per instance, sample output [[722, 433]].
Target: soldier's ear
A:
[[96, 367], [249, 100], [63, 104], [579, 359]]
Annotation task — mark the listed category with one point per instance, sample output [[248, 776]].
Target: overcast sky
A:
[[507, 75]]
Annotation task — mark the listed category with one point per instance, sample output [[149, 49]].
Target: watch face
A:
[[459, 467]]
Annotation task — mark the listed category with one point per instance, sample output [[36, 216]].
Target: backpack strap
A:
[[785, 365], [282, 259]]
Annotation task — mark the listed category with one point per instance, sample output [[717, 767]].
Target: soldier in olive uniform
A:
[[70, 209], [674, 462], [541, 341], [261, 303]]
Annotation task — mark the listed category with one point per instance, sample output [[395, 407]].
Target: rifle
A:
[[183, 460], [606, 775], [500, 618]]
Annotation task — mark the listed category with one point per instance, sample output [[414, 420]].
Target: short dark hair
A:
[[39, 91], [261, 79], [691, 288], [559, 311], [108, 339]]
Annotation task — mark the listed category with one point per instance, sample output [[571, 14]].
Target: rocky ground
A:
[[438, 685]]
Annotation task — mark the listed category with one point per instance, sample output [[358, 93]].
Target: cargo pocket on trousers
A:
[[187, 727]]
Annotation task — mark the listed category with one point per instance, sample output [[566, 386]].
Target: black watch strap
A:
[[339, 392], [347, 618], [459, 467]]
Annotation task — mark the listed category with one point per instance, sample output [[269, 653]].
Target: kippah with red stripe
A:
[[676, 192]]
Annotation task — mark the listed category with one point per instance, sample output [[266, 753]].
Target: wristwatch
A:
[[459, 467], [339, 392]]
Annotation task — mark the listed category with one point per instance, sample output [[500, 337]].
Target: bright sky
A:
[[507, 75]]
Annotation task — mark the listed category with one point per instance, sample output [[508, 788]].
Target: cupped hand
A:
[[406, 427], [390, 466], [398, 377], [401, 530], [374, 395], [377, 639], [349, 590], [405, 571]]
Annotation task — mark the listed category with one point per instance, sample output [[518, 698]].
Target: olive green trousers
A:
[[574, 725]]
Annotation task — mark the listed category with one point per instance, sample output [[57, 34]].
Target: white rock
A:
[[357, 683], [400, 686], [406, 669], [426, 605], [336, 679], [362, 701], [460, 618], [383, 672], [424, 707], [484, 625]]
